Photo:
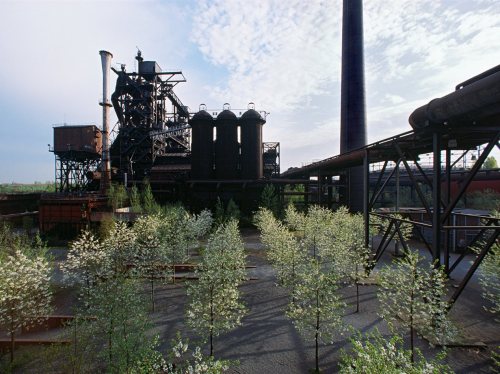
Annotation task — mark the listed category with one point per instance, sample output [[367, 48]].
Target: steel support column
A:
[[366, 197], [471, 176], [447, 243], [474, 266], [436, 198]]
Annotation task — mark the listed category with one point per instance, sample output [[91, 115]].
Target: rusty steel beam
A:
[[473, 268], [470, 177]]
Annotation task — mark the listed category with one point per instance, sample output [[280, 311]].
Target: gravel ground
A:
[[268, 343]]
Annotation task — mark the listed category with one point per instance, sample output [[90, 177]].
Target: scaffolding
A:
[[271, 159]]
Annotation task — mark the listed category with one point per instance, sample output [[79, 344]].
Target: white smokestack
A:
[[106, 105]]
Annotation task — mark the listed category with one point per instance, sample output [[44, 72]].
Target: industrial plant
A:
[[206, 158], [199, 158], [195, 158]]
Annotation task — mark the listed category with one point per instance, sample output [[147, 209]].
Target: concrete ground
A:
[[267, 342]]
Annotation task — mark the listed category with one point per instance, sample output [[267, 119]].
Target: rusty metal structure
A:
[[271, 159], [77, 151], [190, 157]]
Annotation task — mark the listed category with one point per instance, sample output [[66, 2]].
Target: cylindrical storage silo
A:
[[226, 146], [202, 147], [251, 145]]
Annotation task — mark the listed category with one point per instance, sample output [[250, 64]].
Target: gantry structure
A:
[[467, 120]]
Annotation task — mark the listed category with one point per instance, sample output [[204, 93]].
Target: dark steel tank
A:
[[251, 123], [85, 141], [226, 145], [202, 146]]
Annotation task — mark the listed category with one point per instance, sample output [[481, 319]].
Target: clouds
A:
[[282, 55], [51, 69], [285, 56], [276, 53]]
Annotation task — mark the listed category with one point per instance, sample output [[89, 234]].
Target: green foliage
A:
[[489, 278], [10, 242], [24, 292], [117, 195], [106, 225], [411, 296], [115, 313], [316, 311], [283, 250], [179, 232], [135, 199], [295, 198], [294, 219], [27, 188], [232, 211], [486, 200], [148, 201], [405, 228], [352, 258], [373, 354], [269, 199], [214, 304], [150, 255], [490, 163], [311, 253], [224, 215]]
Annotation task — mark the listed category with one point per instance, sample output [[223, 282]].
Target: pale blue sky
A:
[[282, 55]]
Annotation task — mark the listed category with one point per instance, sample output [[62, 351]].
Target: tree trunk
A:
[[411, 343], [152, 293], [412, 297], [317, 331], [211, 323], [357, 296], [110, 343], [12, 344], [356, 281]]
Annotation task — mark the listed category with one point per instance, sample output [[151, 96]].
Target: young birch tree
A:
[[489, 278], [116, 316], [150, 256], [86, 263], [24, 293], [173, 232], [119, 247], [214, 303], [284, 251], [196, 227], [411, 296], [351, 256], [317, 309]]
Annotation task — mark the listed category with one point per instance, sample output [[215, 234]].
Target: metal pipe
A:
[[436, 199], [475, 101], [106, 105]]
